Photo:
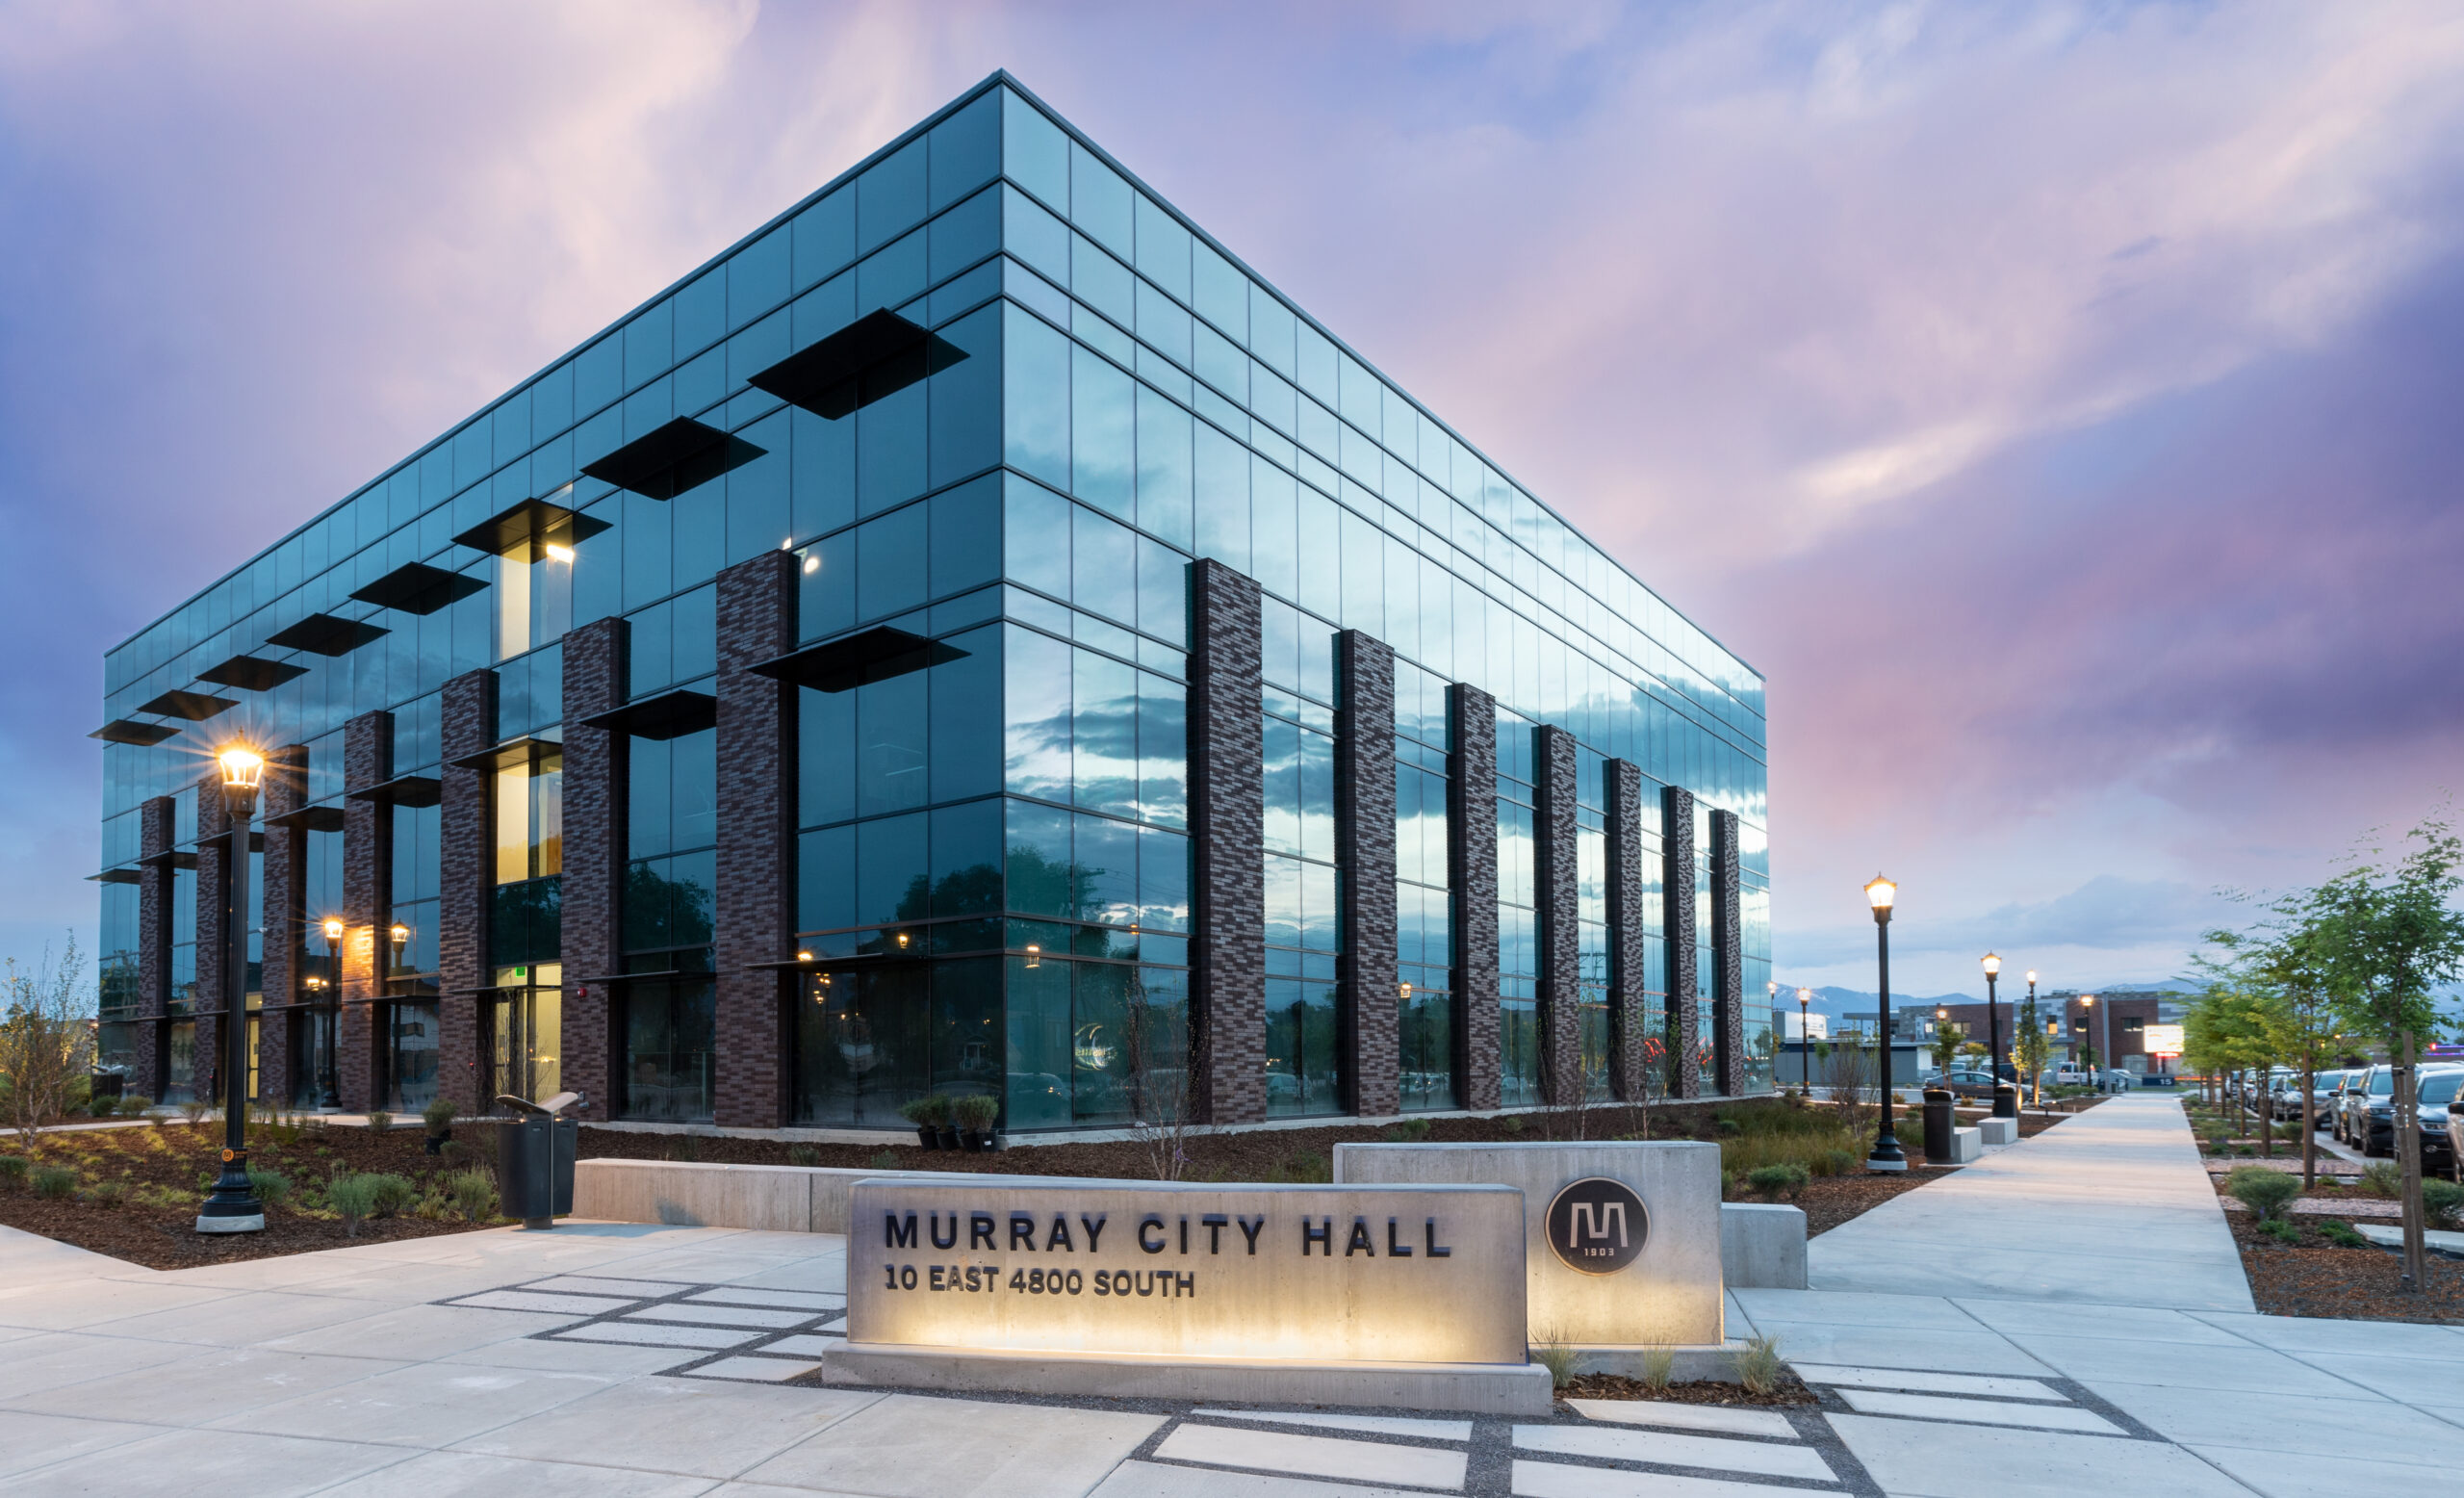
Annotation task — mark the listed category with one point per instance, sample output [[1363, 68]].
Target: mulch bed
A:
[[175, 1156], [2313, 1278], [1828, 1201], [1788, 1391]]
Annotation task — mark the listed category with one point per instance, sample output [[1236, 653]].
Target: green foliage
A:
[[54, 1182], [100, 1106], [2282, 1231], [107, 1193], [1308, 1168], [882, 1160], [473, 1194], [2442, 1203], [439, 1113], [803, 1155], [379, 1121], [1778, 1182], [975, 1111], [394, 1194], [158, 1198], [2342, 1234], [353, 1198], [1556, 1352], [930, 1111], [1759, 1365], [134, 1106], [194, 1111], [1659, 1367], [2383, 1179], [1510, 1126], [1408, 1131], [272, 1187], [681, 1147], [2263, 1191], [14, 1168]]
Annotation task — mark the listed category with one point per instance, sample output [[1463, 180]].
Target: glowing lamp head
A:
[[1993, 965], [243, 769], [1408, 990], [812, 564], [902, 940], [333, 928], [400, 934], [1035, 955], [2088, 1000], [804, 957], [1805, 997], [1879, 894], [2032, 977]]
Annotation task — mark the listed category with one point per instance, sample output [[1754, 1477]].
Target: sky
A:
[[2056, 402]]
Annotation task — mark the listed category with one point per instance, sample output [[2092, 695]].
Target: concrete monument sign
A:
[[1214, 1291], [1623, 1239]]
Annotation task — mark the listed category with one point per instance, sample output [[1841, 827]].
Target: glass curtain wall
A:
[[1424, 924], [1518, 916]]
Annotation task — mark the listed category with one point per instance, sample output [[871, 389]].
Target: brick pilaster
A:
[[286, 790], [1228, 820], [756, 799], [1558, 875], [595, 681], [1630, 1043], [368, 906], [1728, 958], [1365, 853], [154, 886], [1678, 920], [212, 854], [467, 726], [1472, 873]]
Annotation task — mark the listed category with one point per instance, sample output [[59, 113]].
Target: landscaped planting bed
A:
[[2316, 1275], [134, 1192]]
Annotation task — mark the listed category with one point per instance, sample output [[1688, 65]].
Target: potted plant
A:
[[439, 1118], [975, 1113], [929, 1113]]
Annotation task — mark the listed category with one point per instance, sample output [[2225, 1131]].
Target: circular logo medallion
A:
[[1596, 1226]]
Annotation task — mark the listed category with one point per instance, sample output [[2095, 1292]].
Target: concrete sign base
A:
[[1622, 1245], [1476, 1388]]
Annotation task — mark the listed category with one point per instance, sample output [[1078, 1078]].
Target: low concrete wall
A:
[[1476, 1388], [688, 1193], [1967, 1146], [1998, 1131], [1763, 1248]]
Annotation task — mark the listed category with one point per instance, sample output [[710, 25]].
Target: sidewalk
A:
[[2112, 1207]]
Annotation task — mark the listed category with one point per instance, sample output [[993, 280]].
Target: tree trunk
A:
[[2309, 1125], [2409, 1149], [2265, 1107]]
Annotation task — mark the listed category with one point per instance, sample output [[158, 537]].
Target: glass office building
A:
[[975, 635]]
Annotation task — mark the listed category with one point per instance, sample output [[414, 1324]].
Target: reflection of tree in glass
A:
[[1038, 883], [661, 913], [972, 891], [524, 920]]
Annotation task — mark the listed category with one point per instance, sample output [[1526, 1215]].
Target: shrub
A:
[[1408, 1131], [930, 1111], [882, 1160], [681, 1147], [1510, 1126], [438, 1115], [2442, 1202], [1759, 1365], [194, 1111], [273, 1188], [393, 1193], [975, 1111], [101, 1107], [473, 1194], [1778, 1182], [159, 1198], [1554, 1351], [2342, 1234], [2383, 1179], [134, 1106], [2265, 1192], [1837, 1162], [2282, 1231], [1659, 1367], [379, 1121], [353, 1200], [803, 1155], [107, 1193], [14, 1168], [54, 1183]]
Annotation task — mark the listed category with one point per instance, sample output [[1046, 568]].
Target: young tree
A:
[[46, 1037]]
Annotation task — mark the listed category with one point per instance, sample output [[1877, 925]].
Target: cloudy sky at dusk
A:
[[2057, 402]]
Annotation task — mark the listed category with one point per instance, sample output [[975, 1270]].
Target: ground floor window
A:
[[1518, 1053], [1595, 1030], [1424, 1036], [670, 1029], [869, 1040], [1305, 1063], [179, 1062], [409, 1033], [524, 1032], [311, 1056]]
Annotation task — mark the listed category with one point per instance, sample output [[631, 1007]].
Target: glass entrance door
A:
[[526, 1031]]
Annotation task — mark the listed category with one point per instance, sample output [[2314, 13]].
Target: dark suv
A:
[[2363, 1091]]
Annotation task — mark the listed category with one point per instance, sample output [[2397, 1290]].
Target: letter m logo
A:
[[1591, 1220], [898, 1233]]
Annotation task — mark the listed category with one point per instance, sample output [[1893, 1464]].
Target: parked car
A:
[[2353, 1095], [1965, 1082], [2369, 1111], [2069, 1074], [2113, 1079], [2439, 1087], [2322, 1097]]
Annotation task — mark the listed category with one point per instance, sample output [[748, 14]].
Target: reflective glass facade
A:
[[977, 412]]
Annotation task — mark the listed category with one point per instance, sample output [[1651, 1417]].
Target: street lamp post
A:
[[1804, 1044], [1886, 1155], [2088, 1045], [2006, 1103], [328, 1094], [2038, 1079], [233, 1205]]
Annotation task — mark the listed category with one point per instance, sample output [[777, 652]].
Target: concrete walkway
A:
[[2112, 1207]]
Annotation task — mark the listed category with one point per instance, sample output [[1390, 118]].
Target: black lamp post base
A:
[[2006, 1101], [1875, 1164], [217, 1217]]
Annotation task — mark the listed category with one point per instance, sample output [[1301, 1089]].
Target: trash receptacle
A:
[[1939, 1124], [535, 1159]]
